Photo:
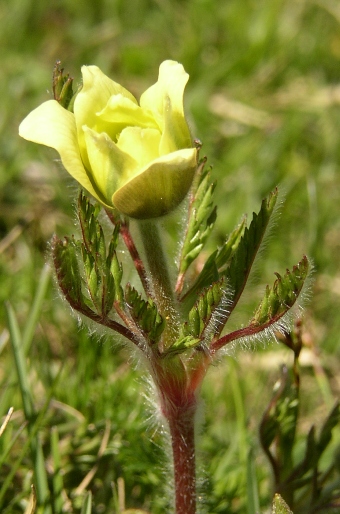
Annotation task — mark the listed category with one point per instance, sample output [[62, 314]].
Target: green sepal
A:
[[145, 314], [65, 257], [280, 506], [201, 313], [202, 216], [282, 295], [62, 86]]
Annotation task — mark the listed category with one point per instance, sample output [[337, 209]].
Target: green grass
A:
[[263, 97]]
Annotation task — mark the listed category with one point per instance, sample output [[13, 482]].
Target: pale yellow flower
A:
[[138, 158]]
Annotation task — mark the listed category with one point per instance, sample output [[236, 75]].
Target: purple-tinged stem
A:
[[182, 431], [130, 245], [178, 399]]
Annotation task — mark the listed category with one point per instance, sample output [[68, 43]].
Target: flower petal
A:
[[53, 126], [165, 100], [108, 163], [121, 112], [96, 91], [141, 144], [159, 188]]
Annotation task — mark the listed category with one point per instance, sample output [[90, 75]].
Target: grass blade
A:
[[34, 314], [86, 508], [19, 359], [27, 401], [57, 479], [253, 503]]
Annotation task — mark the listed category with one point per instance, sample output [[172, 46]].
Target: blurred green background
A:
[[264, 98]]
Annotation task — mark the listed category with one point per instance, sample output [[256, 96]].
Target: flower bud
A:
[[137, 158]]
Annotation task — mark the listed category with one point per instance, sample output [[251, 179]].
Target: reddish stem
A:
[[139, 265], [183, 449], [179, 405], [248, 331], [130, 245], [178, 387]]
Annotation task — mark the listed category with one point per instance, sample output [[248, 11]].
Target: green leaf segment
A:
[[201, 219], [145, 313]]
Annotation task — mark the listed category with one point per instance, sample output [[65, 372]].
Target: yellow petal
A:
[[159, 188], [141, 144], [96, 91], [108, 163], [121, 112], [53, 126], [165, 100]]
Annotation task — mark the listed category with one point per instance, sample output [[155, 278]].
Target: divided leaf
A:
[[200, 319], [238, 271], [226, 252], [103, 272], [235, 258], [65, 257], [145, 314], [278, 300], [282, 295], [92, 232], [89, 273], [207, 276], [202, 216], [181, 345], [214, 265], [201, 313]]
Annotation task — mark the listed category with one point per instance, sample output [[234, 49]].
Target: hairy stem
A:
[[181, 424], [178, 401], [159, 277], [156, 260]]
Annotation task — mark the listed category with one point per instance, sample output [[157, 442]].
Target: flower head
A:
[[138, 158]]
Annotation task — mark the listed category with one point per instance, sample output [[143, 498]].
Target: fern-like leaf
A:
[[202, 216], [237, 272], [226, 252], [282, 295], [145, 314], [277, 302]]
